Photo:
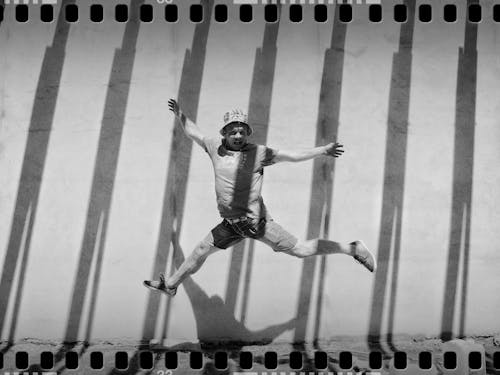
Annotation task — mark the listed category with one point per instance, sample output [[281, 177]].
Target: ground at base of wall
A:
[[155, 358]]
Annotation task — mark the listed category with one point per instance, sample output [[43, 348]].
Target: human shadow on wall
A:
[[215, 321], [463, 161], [25, 209], [96, 225], [322, 183], [386, 277], [258, 117]]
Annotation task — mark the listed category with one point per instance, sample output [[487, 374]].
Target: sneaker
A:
[[160, 286], [363, 256]]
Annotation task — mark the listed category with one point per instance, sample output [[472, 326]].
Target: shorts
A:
[[272, 234]]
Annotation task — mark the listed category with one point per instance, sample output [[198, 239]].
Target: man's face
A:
[[236, 135]]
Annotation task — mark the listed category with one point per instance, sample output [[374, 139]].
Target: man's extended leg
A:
[[192, 263]]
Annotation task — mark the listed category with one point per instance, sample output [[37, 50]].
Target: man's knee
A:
[[302, 249], [202, 249], [296, 251], [297, 254]]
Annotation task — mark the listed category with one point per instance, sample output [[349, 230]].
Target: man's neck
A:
[[228, 147]]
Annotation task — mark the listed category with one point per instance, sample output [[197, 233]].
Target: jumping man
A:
[[238, 167]]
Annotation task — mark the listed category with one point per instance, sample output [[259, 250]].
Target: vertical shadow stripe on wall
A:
[[103, 180], [258, 116], [32, 168], [2, 5], [389, 246], [178, 167], [322, 180], [463, 162]]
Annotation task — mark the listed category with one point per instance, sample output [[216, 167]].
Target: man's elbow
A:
[[188, 133], [195, 137], [293, 158], [192, 133], [288, 157]]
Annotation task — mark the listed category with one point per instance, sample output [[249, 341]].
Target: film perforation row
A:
[[322, 13], [296, 360]]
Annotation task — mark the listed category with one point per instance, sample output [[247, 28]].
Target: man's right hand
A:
[[174, 107], [189, 127]]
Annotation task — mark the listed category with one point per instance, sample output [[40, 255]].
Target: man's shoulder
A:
[[212, 140], [260, 149], [211, 144], [251, 146], [263, 148]]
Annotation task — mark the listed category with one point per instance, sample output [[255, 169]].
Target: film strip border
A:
[[321, 361], [475, 12]]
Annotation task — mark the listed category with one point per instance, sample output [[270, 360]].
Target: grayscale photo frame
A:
[[249, 186]]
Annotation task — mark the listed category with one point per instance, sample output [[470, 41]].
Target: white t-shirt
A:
[[239, 177]]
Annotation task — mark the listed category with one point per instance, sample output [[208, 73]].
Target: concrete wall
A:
[[94, 175]]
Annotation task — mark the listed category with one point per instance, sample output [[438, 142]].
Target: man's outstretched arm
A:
[[190, 128], [331, 149]]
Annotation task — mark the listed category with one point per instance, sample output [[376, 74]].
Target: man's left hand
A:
[[334, 149]]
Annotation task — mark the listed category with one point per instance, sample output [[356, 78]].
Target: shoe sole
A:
[[369, 252], [158, 289]]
